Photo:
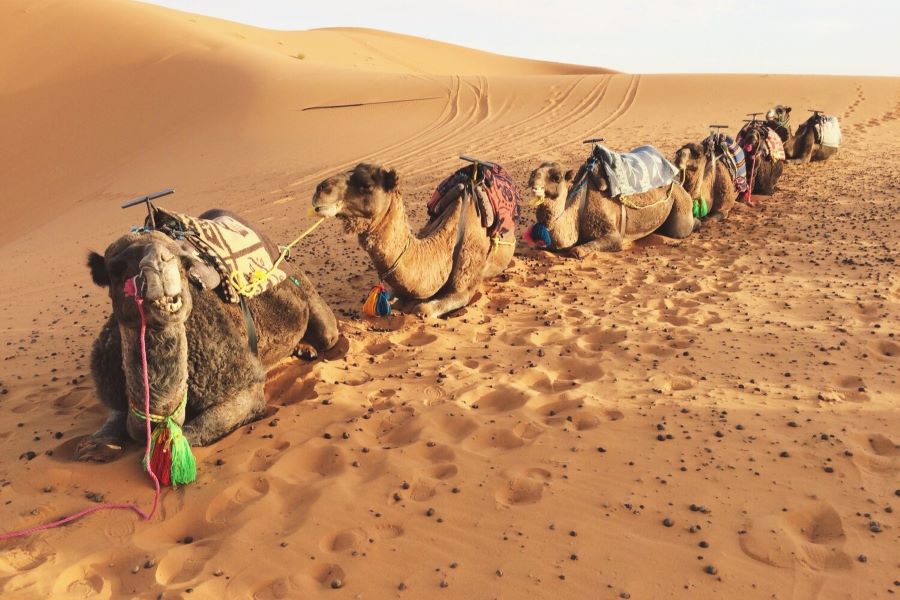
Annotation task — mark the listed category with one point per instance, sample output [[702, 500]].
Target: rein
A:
[[131, 290]]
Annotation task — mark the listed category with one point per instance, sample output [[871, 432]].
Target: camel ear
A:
[[570, 174], [97, 265], [390, 180], [787, 109]]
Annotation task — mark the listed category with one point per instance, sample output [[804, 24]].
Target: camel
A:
[[197, 344], [803, 145], [592, 221], [763, 167], [705, 177], [438, 270]]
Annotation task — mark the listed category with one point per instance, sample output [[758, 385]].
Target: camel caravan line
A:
[[202, 306]]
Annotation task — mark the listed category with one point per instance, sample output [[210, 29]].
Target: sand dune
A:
[[509, 451]]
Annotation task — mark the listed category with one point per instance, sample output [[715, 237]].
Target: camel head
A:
[[162, 267], [360, 197], [779, 114], [752, 140], [691, 161], [549, 188]]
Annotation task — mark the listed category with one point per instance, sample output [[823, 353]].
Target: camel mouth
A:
[[328, 210], [168, 304]]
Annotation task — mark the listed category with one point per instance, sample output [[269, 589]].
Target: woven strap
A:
[[156, 418]]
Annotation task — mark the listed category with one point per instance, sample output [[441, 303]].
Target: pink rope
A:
[[131, 290]]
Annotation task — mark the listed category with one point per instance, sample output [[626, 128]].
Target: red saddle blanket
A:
[[493, 191]]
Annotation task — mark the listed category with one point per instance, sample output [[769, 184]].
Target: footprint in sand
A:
[[812, 537], [230, 502], [526, 488], [79, 581], [887, 349], [400, 427], [183, 563], [264, 458], [19, 559], [327, 461], [875, 453], [324, 574], [501, 399], [419, 338]]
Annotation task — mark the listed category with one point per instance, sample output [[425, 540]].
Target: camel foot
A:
[[697, 225], [99, 449], [305, 351], [579, 252]]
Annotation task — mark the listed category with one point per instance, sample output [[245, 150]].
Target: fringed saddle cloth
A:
[[635, 172], [226, 244], [774, 147], [731, 153], [828, 131], [494, 194]]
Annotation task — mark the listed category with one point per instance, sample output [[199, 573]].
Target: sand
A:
[[512, 450]]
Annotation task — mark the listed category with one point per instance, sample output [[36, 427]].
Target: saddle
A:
[[492, 191], [225, 244], [771, 145], [635, 172], [732, 155], [827, 130]]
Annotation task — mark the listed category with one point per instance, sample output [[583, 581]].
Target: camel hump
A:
[[492, 190]]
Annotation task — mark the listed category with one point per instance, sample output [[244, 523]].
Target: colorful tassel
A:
[[171, 459], [378, 303], [700, 208], [538, 235]]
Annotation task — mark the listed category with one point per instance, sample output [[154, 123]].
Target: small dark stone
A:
[[784, 454], [429, 512], [326, 435], [829, 469], [739, 427], [703, 544], [573, 557], [498, 573], [601, 449], [149, 564], [862, 558], [444, 583], [219, 462], [874, 527], [455, 490], [28, 455], [792, 424], [668, 522], [573, 533], [336, 583], [405, 485], [710, 570], [345, 436], [188, 539], [402, 586]]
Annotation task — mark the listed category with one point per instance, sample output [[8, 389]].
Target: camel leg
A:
[[439, 307], [222, 418], [610, 243], [322, 331], [108, 442]]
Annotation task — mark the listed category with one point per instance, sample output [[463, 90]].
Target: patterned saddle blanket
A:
[[731, 153], [774, 147], [635, 172], [226, 244], [493, 191]]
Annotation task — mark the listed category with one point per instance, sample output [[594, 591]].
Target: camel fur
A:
[[196, 342], [591, 221], [707, 179], [434, 271], [802, 145]]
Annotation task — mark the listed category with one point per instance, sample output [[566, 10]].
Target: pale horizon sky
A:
[[831, 37]]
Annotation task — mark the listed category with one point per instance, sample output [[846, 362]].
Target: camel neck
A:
[[563, 227], [166, 368], [413, 267]]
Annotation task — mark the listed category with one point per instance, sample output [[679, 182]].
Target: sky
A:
[[837, 37]]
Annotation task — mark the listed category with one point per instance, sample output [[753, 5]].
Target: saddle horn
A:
[[148, 200], [593, 140], [477, 161]]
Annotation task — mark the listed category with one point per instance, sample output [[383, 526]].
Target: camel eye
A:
[[554, 177]]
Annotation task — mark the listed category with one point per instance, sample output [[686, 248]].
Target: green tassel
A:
[[704, 208], [695, 209], [184, 466]]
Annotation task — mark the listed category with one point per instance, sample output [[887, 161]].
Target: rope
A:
[[255, 285], [134, 291], [396, 264], [625, 202]]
